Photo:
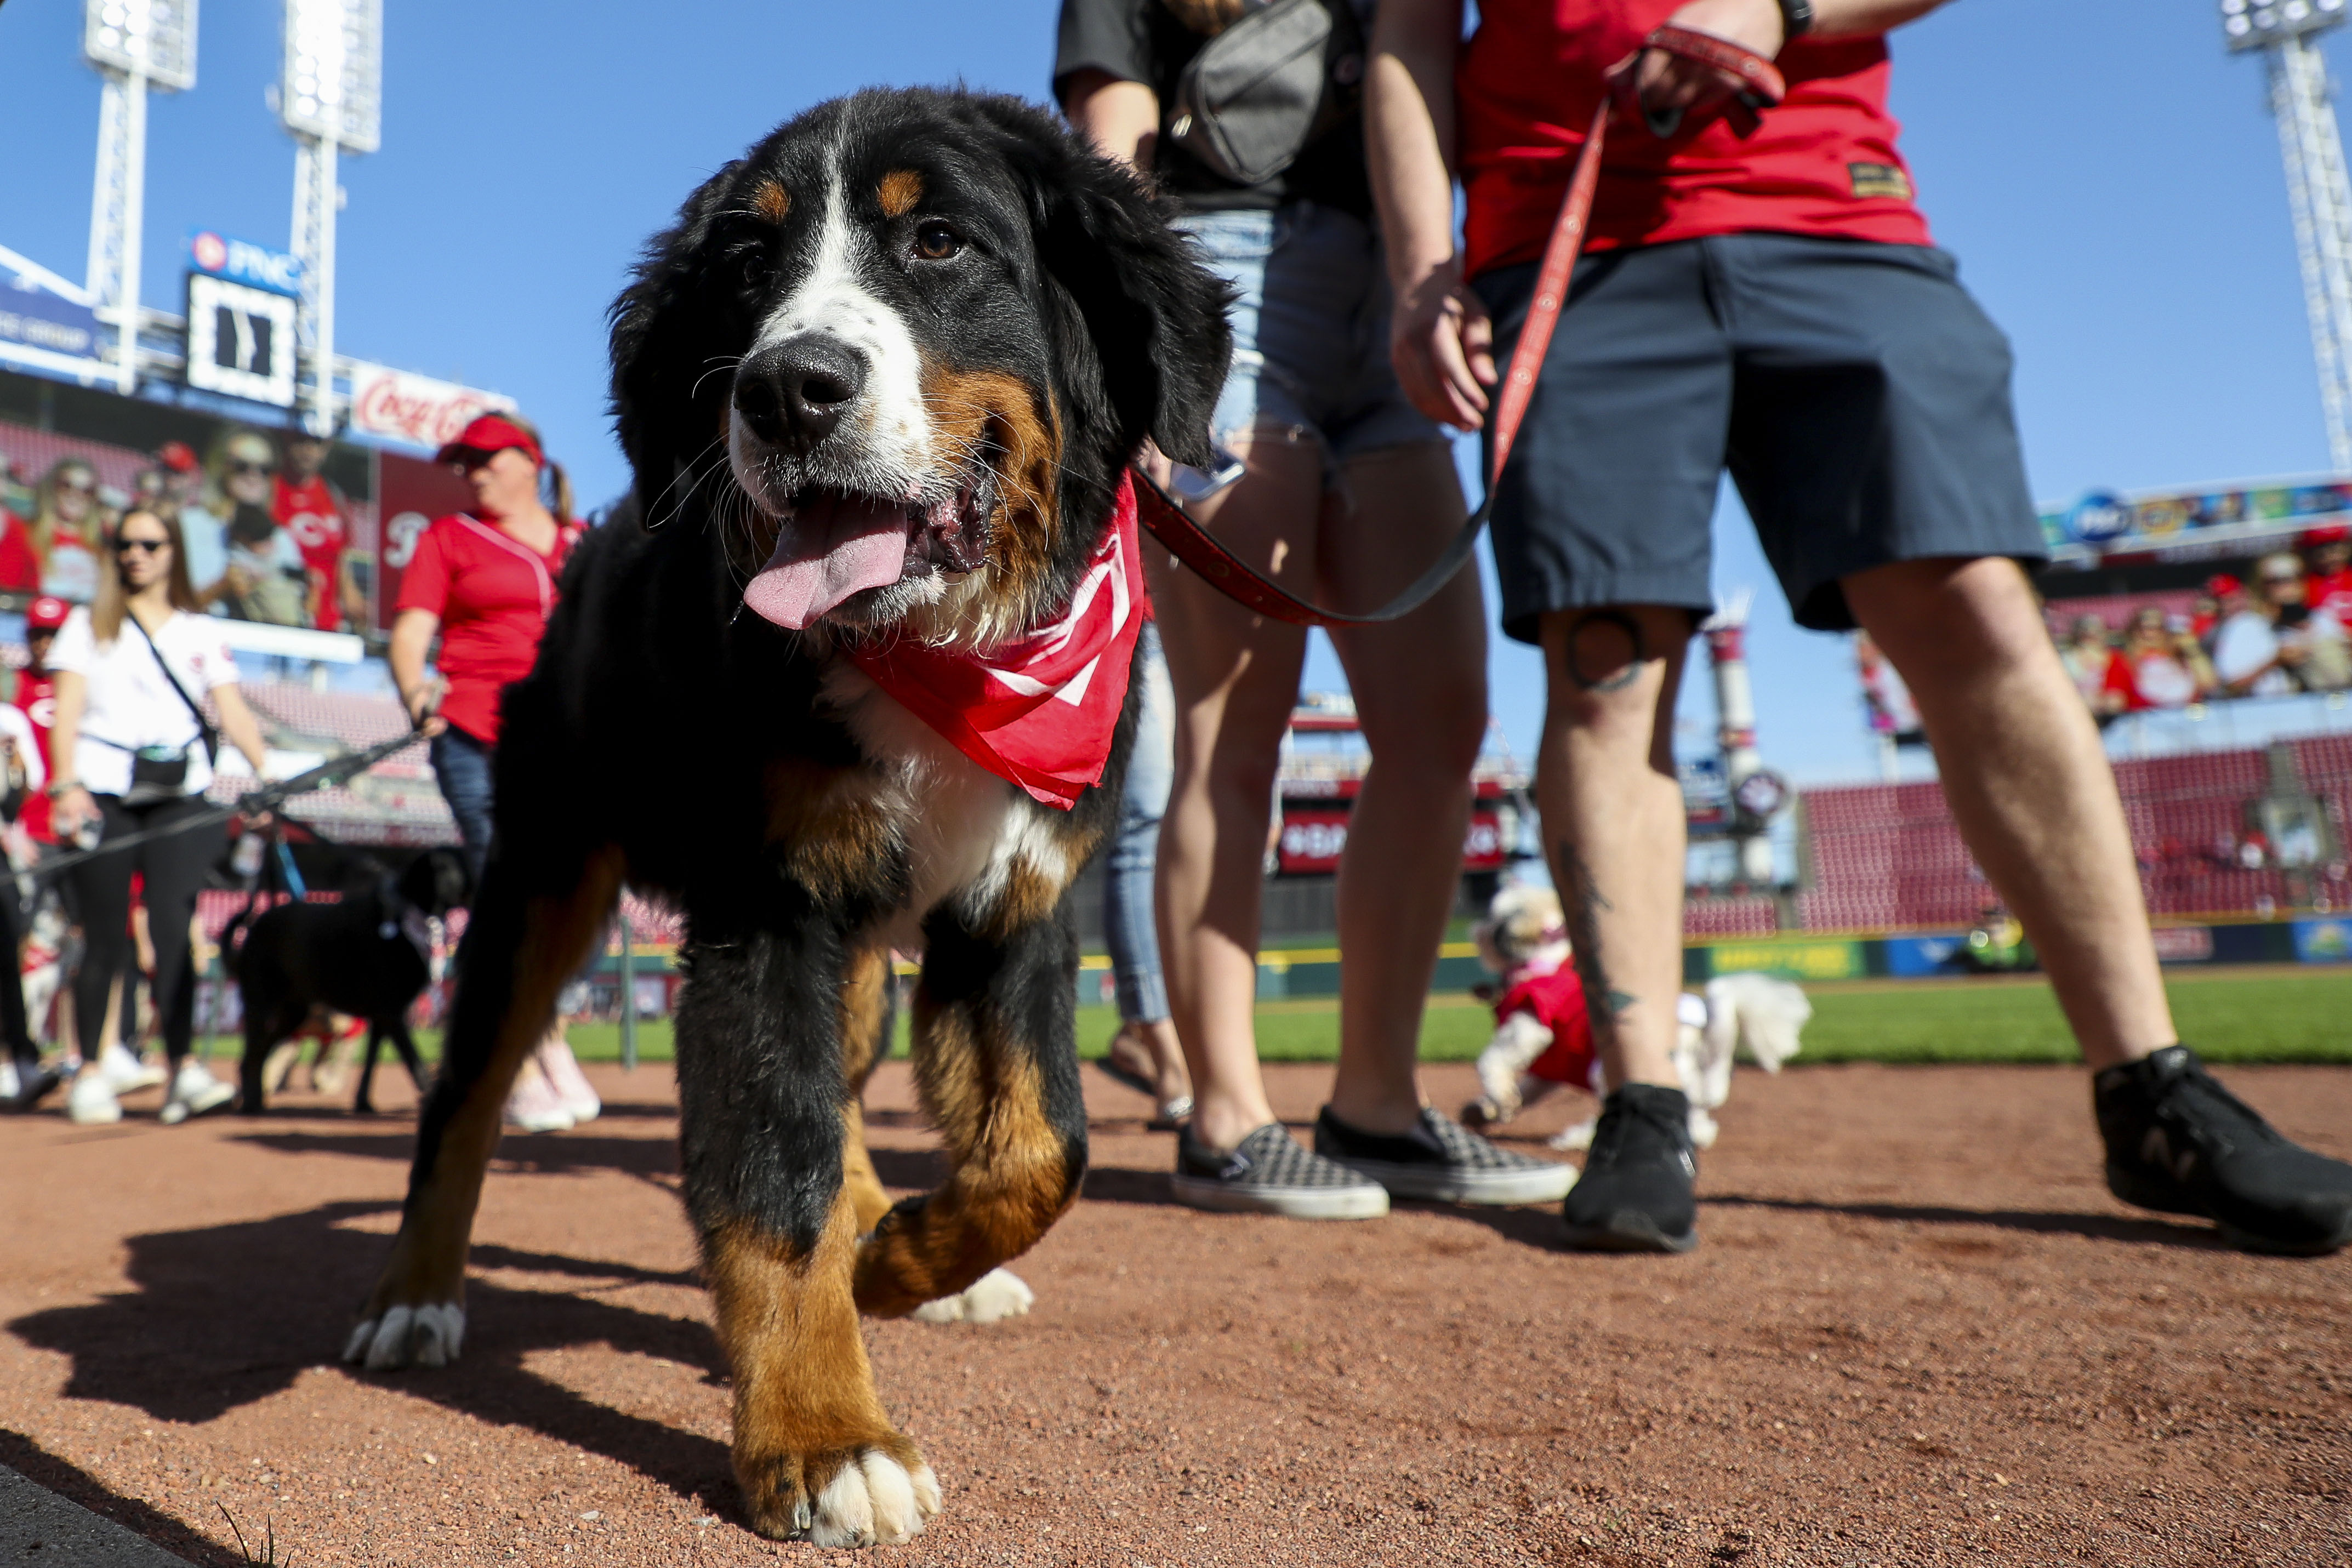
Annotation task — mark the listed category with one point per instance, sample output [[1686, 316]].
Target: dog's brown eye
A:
[[937, 242]]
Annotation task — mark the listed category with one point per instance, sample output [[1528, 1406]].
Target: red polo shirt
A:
[[1823, 163], [37, 693], [493, 594], [314, 513]]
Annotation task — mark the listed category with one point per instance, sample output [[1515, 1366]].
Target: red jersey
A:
[[36, 695], [20, 569], [1823, 163], [1555, 1000], [2332, 593], [315, 514], [493, 594]]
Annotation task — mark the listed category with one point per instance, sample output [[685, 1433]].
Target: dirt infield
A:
[[1918, 1330]]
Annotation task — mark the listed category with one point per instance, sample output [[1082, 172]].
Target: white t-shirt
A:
[[2245, 644], [130, 704]]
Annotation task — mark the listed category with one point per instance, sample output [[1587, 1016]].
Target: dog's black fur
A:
[[353, 956], [670, 737]]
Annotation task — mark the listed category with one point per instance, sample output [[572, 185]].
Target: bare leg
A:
[[1235, 678], [1420, 685], [2032, 792], [1612, 822]]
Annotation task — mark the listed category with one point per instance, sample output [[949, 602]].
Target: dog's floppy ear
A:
[[1149, 327], [664, 328]]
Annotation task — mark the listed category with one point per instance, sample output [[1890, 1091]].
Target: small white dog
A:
[[1543, 1038]]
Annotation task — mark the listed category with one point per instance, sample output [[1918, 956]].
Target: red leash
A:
[[1197, 549]]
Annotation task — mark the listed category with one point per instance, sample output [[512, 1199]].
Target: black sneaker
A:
[[34, 1083], [1443, 1161], [2179, 1143], [1268, 1172], [1635, 1192]]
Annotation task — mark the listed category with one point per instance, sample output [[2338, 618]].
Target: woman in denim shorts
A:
[[1347, 493]]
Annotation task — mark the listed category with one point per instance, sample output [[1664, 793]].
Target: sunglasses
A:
[[2280, 581], [151, 546], [79, 487], [239, 467]]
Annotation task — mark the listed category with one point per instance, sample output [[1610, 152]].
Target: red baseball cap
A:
[[45, 614], [178, 456], [2222, 583], [491, 432], [2330, 534]]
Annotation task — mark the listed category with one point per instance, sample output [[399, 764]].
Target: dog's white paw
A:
[[409, 1336], [873, 1500], [1703, 1128], [999, 1293], [1578, 1136]]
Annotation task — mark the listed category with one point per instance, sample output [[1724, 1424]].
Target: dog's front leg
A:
[[766, 1117], [524, 941], [995, 1047]]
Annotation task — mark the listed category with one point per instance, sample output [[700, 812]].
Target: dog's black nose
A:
[[794, 393]]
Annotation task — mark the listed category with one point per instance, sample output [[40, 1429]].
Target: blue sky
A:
[[2108, 177]]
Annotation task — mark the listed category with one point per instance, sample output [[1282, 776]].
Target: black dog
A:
[[879, 388], [364, 956]]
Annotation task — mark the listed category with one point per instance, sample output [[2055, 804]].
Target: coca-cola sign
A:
[[394, 406]]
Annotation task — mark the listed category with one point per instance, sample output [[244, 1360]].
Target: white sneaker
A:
[[91, 1102], [126, 1073], [194, 1091], [571, 1085], [533, 1105]]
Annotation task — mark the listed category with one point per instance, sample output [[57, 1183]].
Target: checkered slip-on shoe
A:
[[1268, 1172], [1442, 1161]]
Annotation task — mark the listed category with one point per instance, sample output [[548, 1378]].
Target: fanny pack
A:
[[1263, 90], [160, 772]]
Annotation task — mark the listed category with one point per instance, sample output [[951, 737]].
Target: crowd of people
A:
[[2284, 628], [114, 724], [1757, 295], [267, 535], [1762, 298]]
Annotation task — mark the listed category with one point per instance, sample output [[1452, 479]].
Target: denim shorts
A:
[[1310, 324], [1857, 395]]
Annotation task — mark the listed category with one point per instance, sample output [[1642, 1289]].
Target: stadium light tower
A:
[[136, 44], [332, 99], [2284, 31]]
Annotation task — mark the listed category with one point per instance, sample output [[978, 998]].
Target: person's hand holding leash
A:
[[1668, 83], [1442, 345], [423, 704]]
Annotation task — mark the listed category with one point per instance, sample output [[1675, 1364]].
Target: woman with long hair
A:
[[484, 582], [67, 521], [134, 750]]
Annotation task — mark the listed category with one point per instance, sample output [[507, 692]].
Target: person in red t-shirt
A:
[[36, 695], [315, 514], [2327, 552], [1769, 305], [485, 583]]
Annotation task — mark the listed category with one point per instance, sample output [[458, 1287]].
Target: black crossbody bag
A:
[[158, 773]]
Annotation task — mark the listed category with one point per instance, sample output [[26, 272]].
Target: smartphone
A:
[[1194, 486]]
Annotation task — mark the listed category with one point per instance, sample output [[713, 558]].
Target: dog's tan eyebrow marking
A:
[[899, 190], [771, 201]]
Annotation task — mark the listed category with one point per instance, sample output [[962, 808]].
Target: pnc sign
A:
[[242, 261]]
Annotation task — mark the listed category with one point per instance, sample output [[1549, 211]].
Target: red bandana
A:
[[1039, 711]]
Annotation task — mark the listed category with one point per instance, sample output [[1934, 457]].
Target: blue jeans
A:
[[1128, 927], [1310, 322], [461, 766]]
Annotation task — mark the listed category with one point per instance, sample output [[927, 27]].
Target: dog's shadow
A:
[[547, 1154], [225, 1316]]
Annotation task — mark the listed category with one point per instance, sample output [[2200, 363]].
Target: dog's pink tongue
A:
[[832, 548]]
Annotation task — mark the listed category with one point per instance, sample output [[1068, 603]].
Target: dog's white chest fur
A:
[[964, 828]]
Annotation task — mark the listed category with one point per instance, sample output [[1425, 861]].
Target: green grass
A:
[[2283, 1015]]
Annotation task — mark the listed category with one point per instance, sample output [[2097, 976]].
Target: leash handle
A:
[[1195, 546]]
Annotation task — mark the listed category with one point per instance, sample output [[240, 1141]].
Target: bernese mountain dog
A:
[[879, 387]]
